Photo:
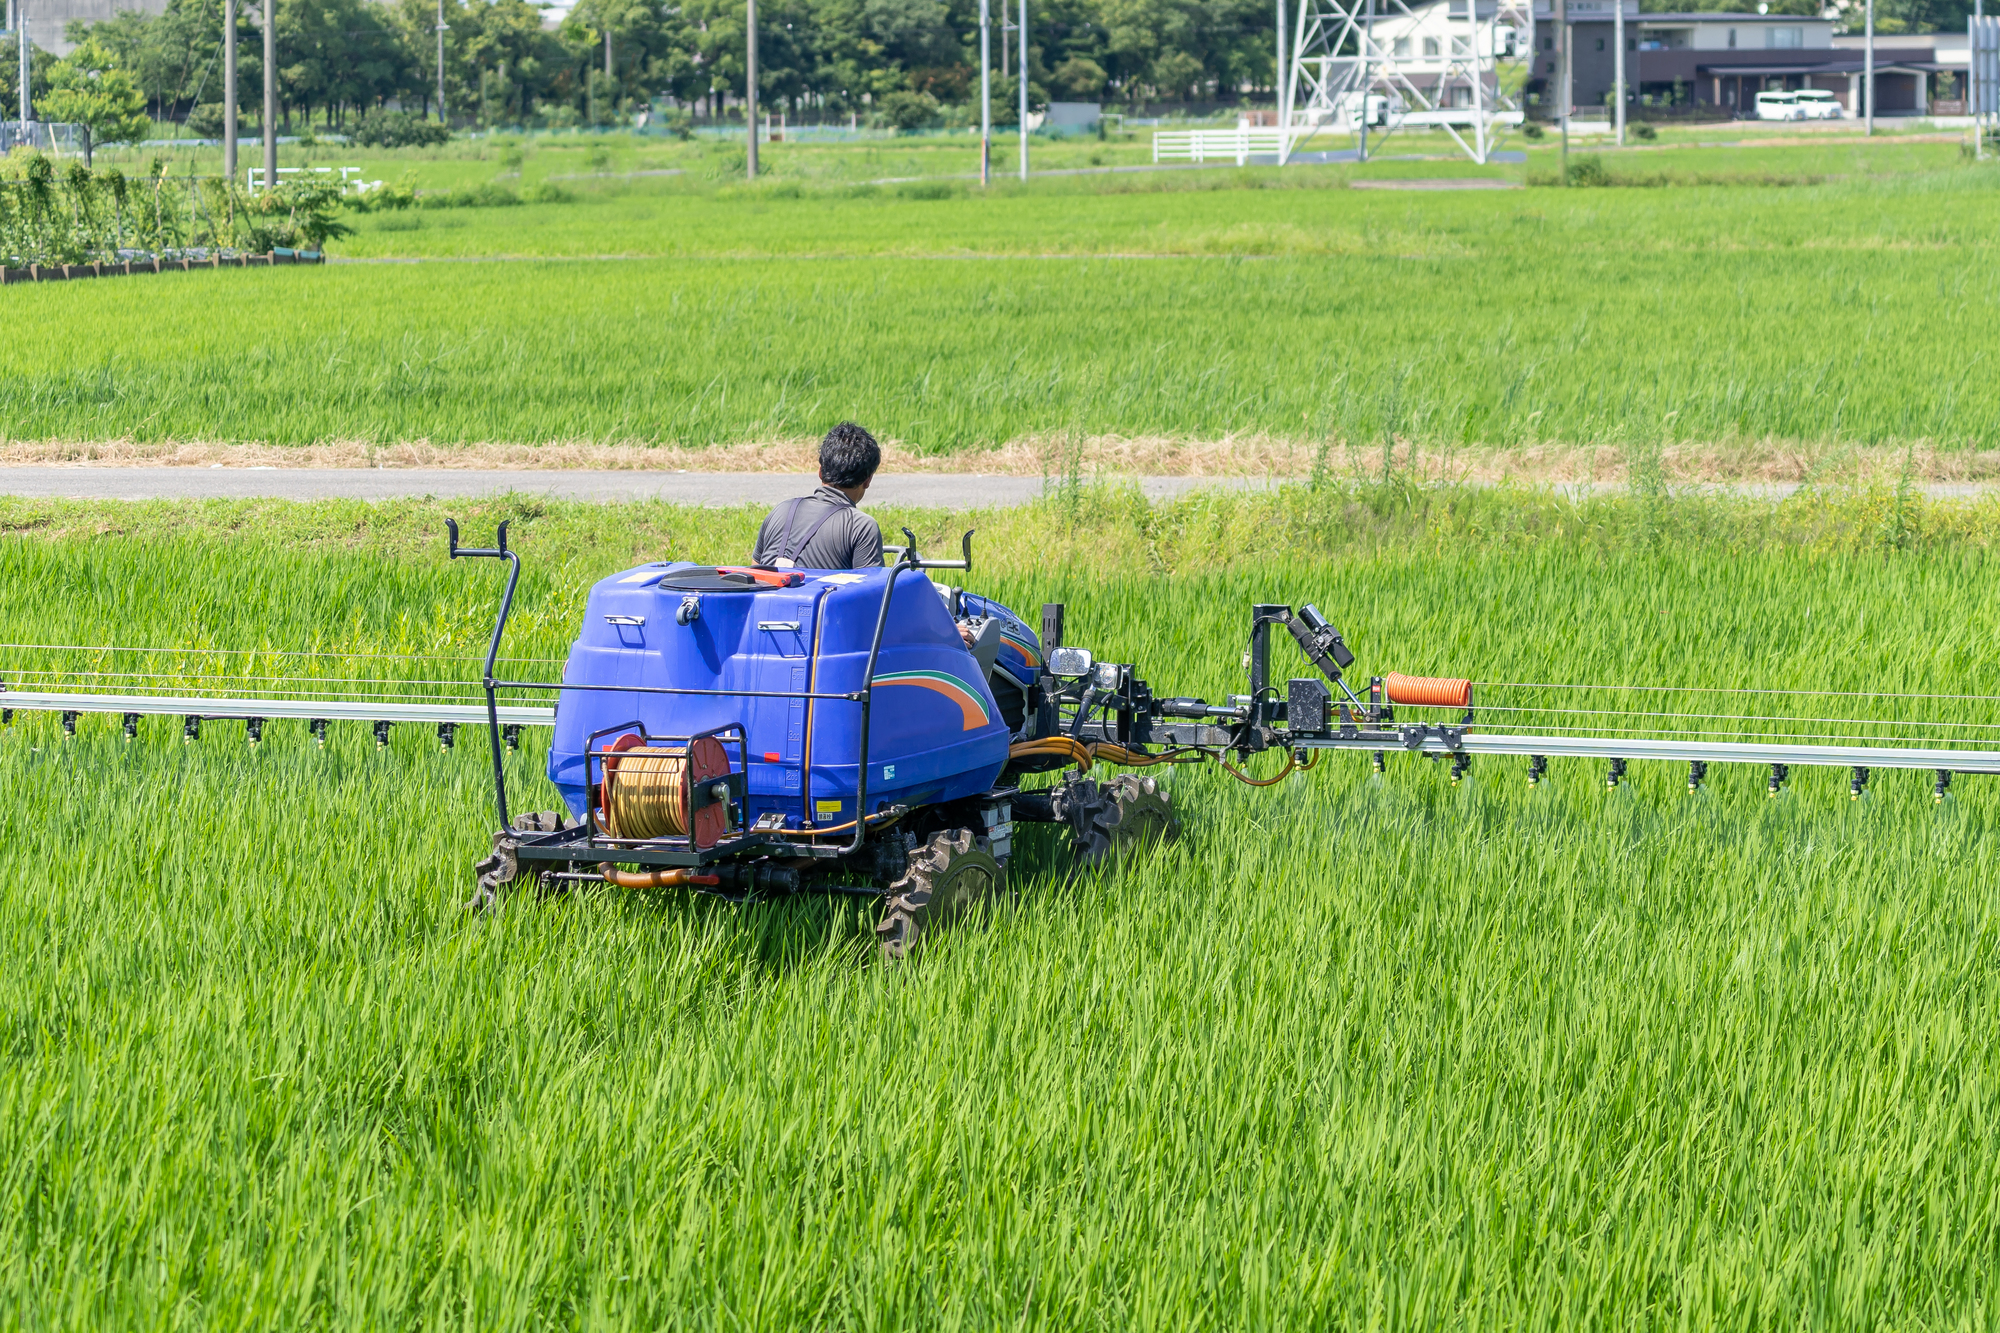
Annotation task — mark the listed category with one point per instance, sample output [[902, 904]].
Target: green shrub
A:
[[1588, 169], [545, 192], [1644, 131], [398, 129], [206, 122], [906, 110], [491, 194], [1533, 133]]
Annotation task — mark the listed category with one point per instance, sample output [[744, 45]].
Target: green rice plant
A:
[[1358, 1050], [946, 355], [1604, 316]]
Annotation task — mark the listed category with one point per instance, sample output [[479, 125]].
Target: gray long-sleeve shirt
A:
[[819, 531]]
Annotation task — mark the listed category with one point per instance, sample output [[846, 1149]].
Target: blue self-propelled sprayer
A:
[[750, 732]]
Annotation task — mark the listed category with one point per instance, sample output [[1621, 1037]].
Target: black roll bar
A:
[[498, 551]]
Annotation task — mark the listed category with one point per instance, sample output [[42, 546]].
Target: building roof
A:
[[1827, 67], [1718, 16]]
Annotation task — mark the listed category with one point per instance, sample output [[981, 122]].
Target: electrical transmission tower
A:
[[1459, 65]]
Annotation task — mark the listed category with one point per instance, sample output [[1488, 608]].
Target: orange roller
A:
[[1428, 691]]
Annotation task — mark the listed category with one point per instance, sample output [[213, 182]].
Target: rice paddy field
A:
[[1834, 307], [1357, 1051]]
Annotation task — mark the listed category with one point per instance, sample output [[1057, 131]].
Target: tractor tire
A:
[[502, 868], [1124, 814], [952, 875]]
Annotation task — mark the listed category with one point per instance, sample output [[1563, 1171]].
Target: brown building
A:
[[1722, 61]]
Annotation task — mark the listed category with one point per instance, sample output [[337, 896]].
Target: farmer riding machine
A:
[[748, 733]]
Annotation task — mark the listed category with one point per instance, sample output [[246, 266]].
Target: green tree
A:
[[90, 90], [40, 62], [1080, 79]]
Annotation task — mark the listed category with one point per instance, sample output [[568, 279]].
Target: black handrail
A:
[[498, 551]]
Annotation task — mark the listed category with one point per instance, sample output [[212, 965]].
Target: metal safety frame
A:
[[584, 843]]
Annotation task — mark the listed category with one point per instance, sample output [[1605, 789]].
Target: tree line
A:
[[905, 62], [899, 60]]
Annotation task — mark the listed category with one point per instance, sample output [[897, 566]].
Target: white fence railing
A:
[[350, 177], [1217, 145]]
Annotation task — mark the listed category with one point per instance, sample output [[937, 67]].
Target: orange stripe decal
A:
[[970, 706]]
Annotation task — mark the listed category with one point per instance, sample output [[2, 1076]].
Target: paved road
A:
[[715, 489], [712, 489]]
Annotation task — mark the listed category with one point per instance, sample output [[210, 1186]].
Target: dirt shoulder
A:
[[1097, 455]]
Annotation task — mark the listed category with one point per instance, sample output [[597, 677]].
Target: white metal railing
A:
[[1217, 145], [253, 177]]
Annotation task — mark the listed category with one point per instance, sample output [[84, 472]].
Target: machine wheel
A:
[[952, 874], [502, 867], [1127, 812]]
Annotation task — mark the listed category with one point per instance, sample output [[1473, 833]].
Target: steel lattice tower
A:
[[1340, 66]]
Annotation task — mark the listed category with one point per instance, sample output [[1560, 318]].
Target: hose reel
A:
[[666, 791]]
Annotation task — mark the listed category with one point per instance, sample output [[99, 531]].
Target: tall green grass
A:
[[1833, 314], [1357, 1051]]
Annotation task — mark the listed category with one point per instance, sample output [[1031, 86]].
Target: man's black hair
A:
[[848, 456]]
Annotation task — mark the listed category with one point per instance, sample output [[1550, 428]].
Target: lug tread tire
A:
[[953, 875], [1126, 813]]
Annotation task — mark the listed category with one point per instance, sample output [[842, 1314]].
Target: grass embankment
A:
[[1835, 313], [1358, 1050], [594, 163]]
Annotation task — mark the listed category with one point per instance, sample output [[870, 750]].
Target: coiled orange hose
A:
[[645, 793], [1428, 691]]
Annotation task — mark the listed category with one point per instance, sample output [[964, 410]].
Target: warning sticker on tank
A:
[[826, 807]]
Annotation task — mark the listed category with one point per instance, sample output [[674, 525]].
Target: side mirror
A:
[[1071, 663]]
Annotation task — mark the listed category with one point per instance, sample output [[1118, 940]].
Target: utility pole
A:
[[1562, 108], [985, 94], [1868, 66], [750, 81], [442, 117], [270, 94], [1975, 87], [1367, 73], [22, 48], [1618, 66], [229, 88], [1278, 87], [1024, 89]]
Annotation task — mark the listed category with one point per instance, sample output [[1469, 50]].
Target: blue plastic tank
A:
[[935, 735]]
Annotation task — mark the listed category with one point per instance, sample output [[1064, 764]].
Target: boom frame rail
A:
[[1304, 717]]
